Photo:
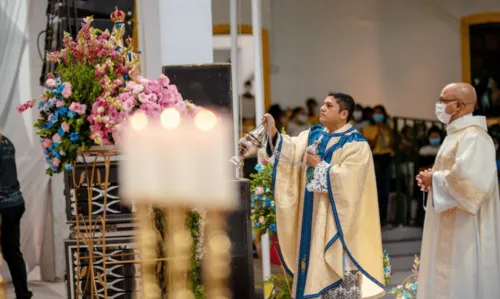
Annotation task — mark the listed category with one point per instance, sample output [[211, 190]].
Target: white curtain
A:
[[15, 88]]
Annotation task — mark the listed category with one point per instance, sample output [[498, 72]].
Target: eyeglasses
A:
[[446, 101]]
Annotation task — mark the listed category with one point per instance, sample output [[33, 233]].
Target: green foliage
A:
[[262, 202], [194, 280]]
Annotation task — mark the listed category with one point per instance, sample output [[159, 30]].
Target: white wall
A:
[[220, 12], [399, 53]]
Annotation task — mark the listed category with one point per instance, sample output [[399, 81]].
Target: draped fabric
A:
[[316, 230], [15, 89], [460, 256]]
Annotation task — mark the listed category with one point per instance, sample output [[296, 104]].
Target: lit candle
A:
[[170, 162]]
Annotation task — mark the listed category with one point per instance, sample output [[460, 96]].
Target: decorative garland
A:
[[195, 222]]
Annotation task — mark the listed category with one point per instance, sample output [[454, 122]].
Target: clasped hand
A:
[[312, 160], [424, 180]]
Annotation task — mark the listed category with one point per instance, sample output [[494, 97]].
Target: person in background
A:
[[312, 113], [11, 210], [379, 136], [426, 157], [286, 116], [248, 108], [298, 122], [494, 95], [278, 114], [429, 151], [358, 120]]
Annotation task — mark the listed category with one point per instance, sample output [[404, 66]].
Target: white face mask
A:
[[303, 118], [357, 115], [441, 113]]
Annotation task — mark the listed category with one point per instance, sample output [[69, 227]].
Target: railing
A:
[[406, 155]]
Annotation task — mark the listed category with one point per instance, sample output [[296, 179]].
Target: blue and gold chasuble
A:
[[315, 229]]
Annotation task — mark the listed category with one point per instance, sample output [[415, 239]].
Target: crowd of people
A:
[[417, 146]]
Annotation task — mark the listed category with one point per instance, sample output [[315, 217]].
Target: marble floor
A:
[[401, 243]]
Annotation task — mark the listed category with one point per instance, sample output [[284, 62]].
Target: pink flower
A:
[[46, 143], [56, 137], [25, 106], [138, 88], [78, 108], [59, 104], [56, 162], [65, 126], [259, 191], [131, 85], [143, 98], [164, 80], [67, 90], [181, 106], [261, 219], [50, 83]]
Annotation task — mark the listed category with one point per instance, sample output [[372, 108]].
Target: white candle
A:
[[174, 163]]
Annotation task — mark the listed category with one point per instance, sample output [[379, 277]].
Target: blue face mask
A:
[[435, 141], [378, 117]]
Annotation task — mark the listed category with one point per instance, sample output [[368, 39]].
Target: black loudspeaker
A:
[[240, 233], [123, 277], [98, 8], [207, 85], [77, 198]]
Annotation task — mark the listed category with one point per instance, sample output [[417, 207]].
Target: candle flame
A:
[[170, 118], [205, 120], [139, 121]]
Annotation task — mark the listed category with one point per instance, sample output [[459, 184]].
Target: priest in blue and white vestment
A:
[[327, 215]]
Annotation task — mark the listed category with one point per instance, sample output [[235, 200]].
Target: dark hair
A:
[[435, 129], [311, 101], [275, 110], [345, 102], [296, 111], [406, 130], [277, 113], [358, 106], [367, 113], [384, 112]]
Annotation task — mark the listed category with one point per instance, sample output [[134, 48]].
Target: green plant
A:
[[262, 201], [193, 222]]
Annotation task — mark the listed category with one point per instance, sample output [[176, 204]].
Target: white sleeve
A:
[[472, 177]]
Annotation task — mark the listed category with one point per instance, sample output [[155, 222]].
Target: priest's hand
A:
[[313, 160], [424, 179], [269, 124]]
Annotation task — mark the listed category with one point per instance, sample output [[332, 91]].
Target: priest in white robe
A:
[[327, 216], [460, 257]]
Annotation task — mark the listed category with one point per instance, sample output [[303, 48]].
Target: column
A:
[[173, 32]]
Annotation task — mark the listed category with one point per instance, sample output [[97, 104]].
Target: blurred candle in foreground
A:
[[175, 162]]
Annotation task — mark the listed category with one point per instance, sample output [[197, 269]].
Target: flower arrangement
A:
[[262, 202], [387, 268], [408, 289], [94, 88]]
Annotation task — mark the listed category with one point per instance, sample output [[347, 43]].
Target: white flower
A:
[[100, 109], [138, 88], [105, 119]]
